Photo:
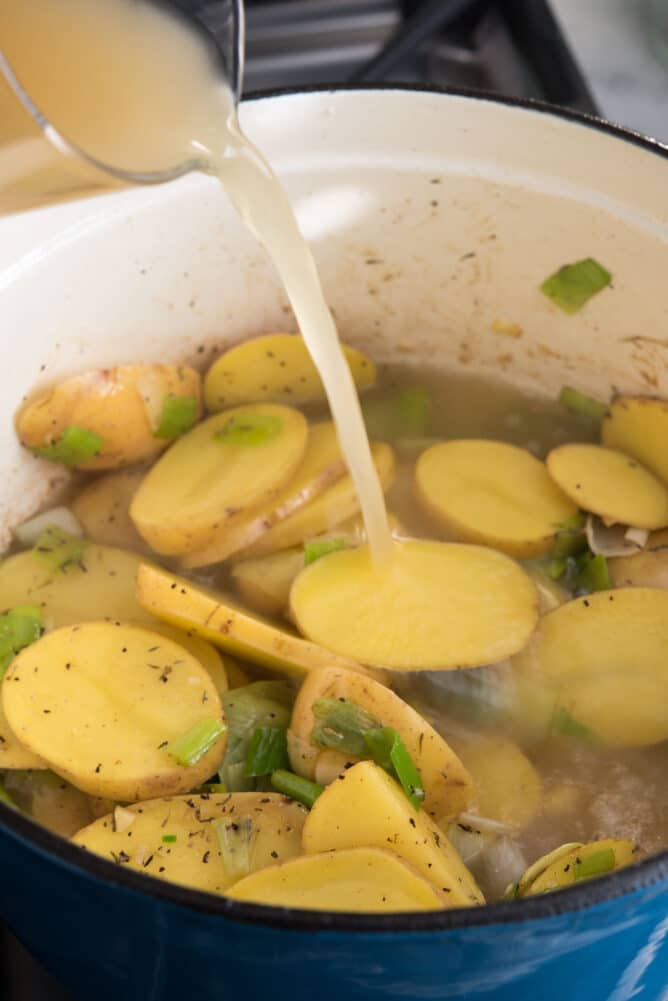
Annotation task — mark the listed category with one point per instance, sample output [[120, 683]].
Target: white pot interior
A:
[[434, 220]]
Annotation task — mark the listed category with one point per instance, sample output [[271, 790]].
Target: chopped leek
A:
[[235, 837], [250, 430], [413, 407], [260, 704], [342, 725], [18, 628], [58, 549], [178, 415], [565, 724], [595, 865], [267, 751], [194, 744], [389, 751], [168, 839], [570, 537], [404, 415], [321, 547], [573, 285], [75, 446], [296, 787], [580, 403], [593, 574]]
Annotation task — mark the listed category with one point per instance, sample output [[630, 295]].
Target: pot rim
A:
[[601, 890]]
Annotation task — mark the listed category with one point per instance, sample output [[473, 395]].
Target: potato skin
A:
[[638, 426], [109, 403]]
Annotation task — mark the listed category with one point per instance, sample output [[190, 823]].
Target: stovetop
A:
[[511, 47]]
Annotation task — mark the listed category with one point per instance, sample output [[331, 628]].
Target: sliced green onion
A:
[[267, 751], [321, 547], [593, 574], [595, 864], [570, 537], [235, 836], [58, 549], [179, 413], [564, 723], [169, 839], [193, 745], [19, 627], [7, 799], [572, 286], [75, 446], [342, 725], [250, 430], [580, 403], [262, 703], [296, 787], [389, 751]]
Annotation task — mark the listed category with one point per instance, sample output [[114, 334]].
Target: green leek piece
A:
[[570, 537], [389, 751], [19, 627], [321, 547], [260, 704], [179, 413], [193, 745], [250, 430], [565, 724], [58, 549], [74, 447], [169, 839], [296, 787], [595, 865], [572, 286], [235, 836], [593, 574], [581, 404], [404, 415], [267, 751], [342, 725]]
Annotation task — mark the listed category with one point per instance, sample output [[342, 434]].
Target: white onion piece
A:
[[485, 824], [60, 517], [615, 540], [123, 819], [468, 844], [502, 862]]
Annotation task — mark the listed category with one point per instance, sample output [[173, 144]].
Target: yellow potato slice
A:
[[215, 618], [101, 585], [335, 506], [103, 509], [210, 659], [638, 426], [321, 466], [492, 493], [508, 786], [203, 481], [269, 828], [436, 606], [577, 864], [604, 656], [647, 568], [275, 368], [610, 484], [359, 880], [118, 404], [13, 754], [101, 703], [49, 800], [448, 786], [367, 809], [265, 583]]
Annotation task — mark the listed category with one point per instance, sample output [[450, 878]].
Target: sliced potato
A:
[[49, 800], [275, 368], [103, 509], [204, 481], [215, 618], [359, 880], [211, 659], [638, 426], [365, 808], [448, 786], [101, 585], [13, 754], [101, 703], [610, 484], [508, 786], [492, 493], [337, 505], [321, 466], [437, 606], [581, 863], [264, 583], [604, 657], [176, 839], [117, 404], [647, 568]]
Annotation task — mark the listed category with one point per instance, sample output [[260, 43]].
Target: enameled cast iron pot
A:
[[434, 218]]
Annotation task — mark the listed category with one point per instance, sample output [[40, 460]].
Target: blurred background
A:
[[605, 57]]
